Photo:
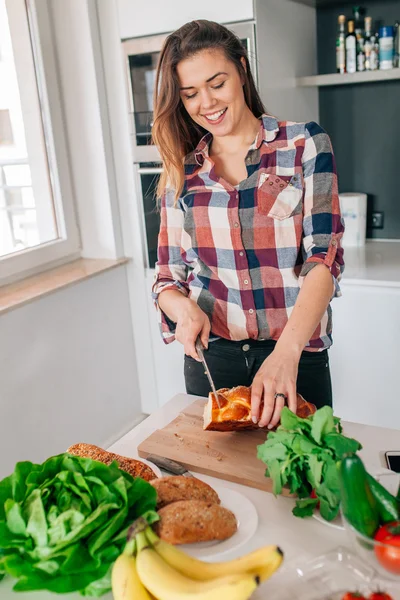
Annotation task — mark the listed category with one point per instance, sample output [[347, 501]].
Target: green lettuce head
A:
[[63, 523]]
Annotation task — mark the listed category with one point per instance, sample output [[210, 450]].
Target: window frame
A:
[[32, 35]]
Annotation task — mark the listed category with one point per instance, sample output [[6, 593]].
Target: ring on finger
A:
[[280, 395]]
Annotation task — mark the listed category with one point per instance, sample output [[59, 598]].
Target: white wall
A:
[[137, 18], [67, 370], [286, 49]]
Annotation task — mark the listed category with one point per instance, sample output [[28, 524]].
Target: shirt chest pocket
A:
[[278, 197]]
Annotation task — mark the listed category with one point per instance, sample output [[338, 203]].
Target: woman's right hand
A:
[[191, 323]]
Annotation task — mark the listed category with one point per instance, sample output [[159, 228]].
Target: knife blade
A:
[[200, 351], [171, 466]]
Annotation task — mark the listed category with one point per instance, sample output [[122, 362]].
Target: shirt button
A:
[[334, 243], [271, 183], [246, 281], [236, 224], [241, 253], [251, 311], [245, 347], [281, 185]]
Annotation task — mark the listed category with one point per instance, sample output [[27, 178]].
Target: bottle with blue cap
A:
[[386, 47]]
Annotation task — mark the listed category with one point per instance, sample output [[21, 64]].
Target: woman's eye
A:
[[216, 87]]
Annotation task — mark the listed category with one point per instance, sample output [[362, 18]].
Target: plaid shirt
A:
[[242, 254]]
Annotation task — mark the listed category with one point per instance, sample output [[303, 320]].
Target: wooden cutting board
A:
[[226, 455]]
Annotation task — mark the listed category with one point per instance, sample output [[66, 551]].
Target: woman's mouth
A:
[[216, 117]]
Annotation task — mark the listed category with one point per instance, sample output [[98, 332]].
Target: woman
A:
[[249, 252]]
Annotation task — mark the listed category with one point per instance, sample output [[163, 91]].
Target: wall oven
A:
[[149, 173]]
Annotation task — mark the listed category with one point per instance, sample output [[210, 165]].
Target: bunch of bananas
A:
[[159, 570]]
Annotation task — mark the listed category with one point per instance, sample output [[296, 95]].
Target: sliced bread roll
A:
[[178, 487], [234, 410], [191, 521]]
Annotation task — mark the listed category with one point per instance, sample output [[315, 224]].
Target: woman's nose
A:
[[207, 100]]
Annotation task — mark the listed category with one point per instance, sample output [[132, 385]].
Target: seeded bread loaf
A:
[[191, 521], [134, 467], [178, 487]]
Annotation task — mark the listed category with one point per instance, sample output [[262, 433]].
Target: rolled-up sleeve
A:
[[323, 225], [171, 270]]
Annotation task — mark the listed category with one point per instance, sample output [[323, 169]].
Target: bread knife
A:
[[200, 351], [168, 465]]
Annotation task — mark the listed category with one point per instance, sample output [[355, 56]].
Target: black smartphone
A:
[[393, 460]]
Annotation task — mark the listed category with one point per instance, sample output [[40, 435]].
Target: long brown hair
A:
[[174, 132]]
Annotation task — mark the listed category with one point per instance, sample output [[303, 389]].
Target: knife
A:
[[200, 351], [171, 466]]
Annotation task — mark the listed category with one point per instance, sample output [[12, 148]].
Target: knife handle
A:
[[199, 348], [199, 344], [171, 466]]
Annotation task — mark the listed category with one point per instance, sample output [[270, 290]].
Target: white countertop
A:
[[376, 263], [298, 538]]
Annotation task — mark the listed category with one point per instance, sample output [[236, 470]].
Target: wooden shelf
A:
[[348, 78]]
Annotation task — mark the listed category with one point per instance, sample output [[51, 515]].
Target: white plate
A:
[[246, 516], [389, 479], [152, 466]]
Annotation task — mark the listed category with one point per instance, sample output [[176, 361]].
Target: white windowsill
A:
[[19, 293]]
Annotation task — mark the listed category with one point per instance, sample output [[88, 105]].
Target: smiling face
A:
[[212, 91]]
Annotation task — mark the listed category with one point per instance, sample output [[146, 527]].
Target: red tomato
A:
[[389, 557], [353, 596], [314, 495], [379, 596]]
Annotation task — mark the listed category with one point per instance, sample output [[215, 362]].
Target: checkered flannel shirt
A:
[[242, 252]]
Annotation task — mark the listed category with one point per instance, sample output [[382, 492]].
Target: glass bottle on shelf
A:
[[358, 13], [396, 62], [360, 55], [351, 48], [341, 45], [358, 18], [375, 52], [368, 44]]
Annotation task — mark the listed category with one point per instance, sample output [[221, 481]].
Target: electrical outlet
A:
[[377, 220]]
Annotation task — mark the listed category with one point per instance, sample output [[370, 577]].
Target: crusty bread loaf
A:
[[234, 412], [190, 521], [179, 487], [134, 467]]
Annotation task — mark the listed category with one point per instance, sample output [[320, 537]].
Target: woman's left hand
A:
[[277, 375]]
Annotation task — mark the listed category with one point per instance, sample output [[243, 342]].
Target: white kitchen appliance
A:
[[353, 206]]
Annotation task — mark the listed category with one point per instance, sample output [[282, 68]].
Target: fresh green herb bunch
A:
[[302, 454], [63, 523]]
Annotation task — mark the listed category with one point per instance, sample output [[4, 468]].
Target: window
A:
[[37, 222]]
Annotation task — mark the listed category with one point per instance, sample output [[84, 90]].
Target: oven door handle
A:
[[150, 170]]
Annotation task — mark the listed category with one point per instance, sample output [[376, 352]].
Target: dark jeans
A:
[[236, 363]]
